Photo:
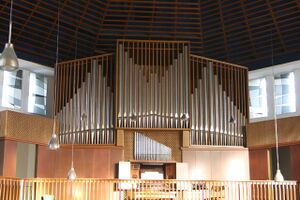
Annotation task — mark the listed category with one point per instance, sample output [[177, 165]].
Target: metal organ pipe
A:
[[159, 84], [161, 100]]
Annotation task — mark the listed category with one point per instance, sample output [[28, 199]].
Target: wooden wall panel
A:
[[45, 162], [30, 128], [262, 133], [258, 160], [1, 156], [3, 115], [89, 162], [8, 158], [295, 159]]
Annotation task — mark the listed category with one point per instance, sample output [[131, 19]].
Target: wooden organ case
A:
[[152, 97]]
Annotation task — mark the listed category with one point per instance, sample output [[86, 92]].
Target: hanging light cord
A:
[[56, 64], [275, 116], [10, 21]]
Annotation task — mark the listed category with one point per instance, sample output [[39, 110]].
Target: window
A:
[[285, 101], [258, 98], [37, 94], [12, 89]]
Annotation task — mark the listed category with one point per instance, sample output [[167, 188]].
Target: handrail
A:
[[95, 188]]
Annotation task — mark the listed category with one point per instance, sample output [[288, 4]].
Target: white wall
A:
[[268, 73], [217, 163], [28, 67], [25, 160]]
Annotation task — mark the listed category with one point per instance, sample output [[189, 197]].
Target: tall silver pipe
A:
[[159, 113], [144, 100], [217, 111], [186, 84], [211, 93], [181, 94], [156, 100], [167, 99], [140, 112], [120, 88], [221, 125], [199, 107], [147, 100], [135, 112], [176, 114], [193, 136], [125, 82], [103, 110], [225, 134], [205, 108], [130, 70], [163, 113], [107, 114]]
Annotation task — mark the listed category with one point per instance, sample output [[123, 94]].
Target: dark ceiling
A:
[[240, 31]]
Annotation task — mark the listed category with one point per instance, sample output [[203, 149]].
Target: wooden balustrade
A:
[[95, 189]]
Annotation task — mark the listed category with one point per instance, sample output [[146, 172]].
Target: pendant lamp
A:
[[278, 175], [71, 174], [8, 58], [53, 143]]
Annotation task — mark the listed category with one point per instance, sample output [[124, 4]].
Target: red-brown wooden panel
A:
[[258, 160]]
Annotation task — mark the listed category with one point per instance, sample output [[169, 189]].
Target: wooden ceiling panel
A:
[[234, 31]]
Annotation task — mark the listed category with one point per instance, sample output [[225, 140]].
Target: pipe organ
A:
[[84, 105], [218, 102], [151, 85], [146, 148]]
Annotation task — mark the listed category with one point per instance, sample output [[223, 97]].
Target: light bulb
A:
[[71, 174], [53, 142]]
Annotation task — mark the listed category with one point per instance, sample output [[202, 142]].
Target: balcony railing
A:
[[108, 189]]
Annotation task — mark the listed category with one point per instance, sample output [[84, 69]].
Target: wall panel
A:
[[263, 133], [259, 162], [295, 161], [217, 163], [89, 162]]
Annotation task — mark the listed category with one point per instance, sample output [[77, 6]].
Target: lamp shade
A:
[[71, 174], [53, 142], [278, 176], [8, 58]]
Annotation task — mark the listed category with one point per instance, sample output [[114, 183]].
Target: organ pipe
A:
[[159, 84]]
